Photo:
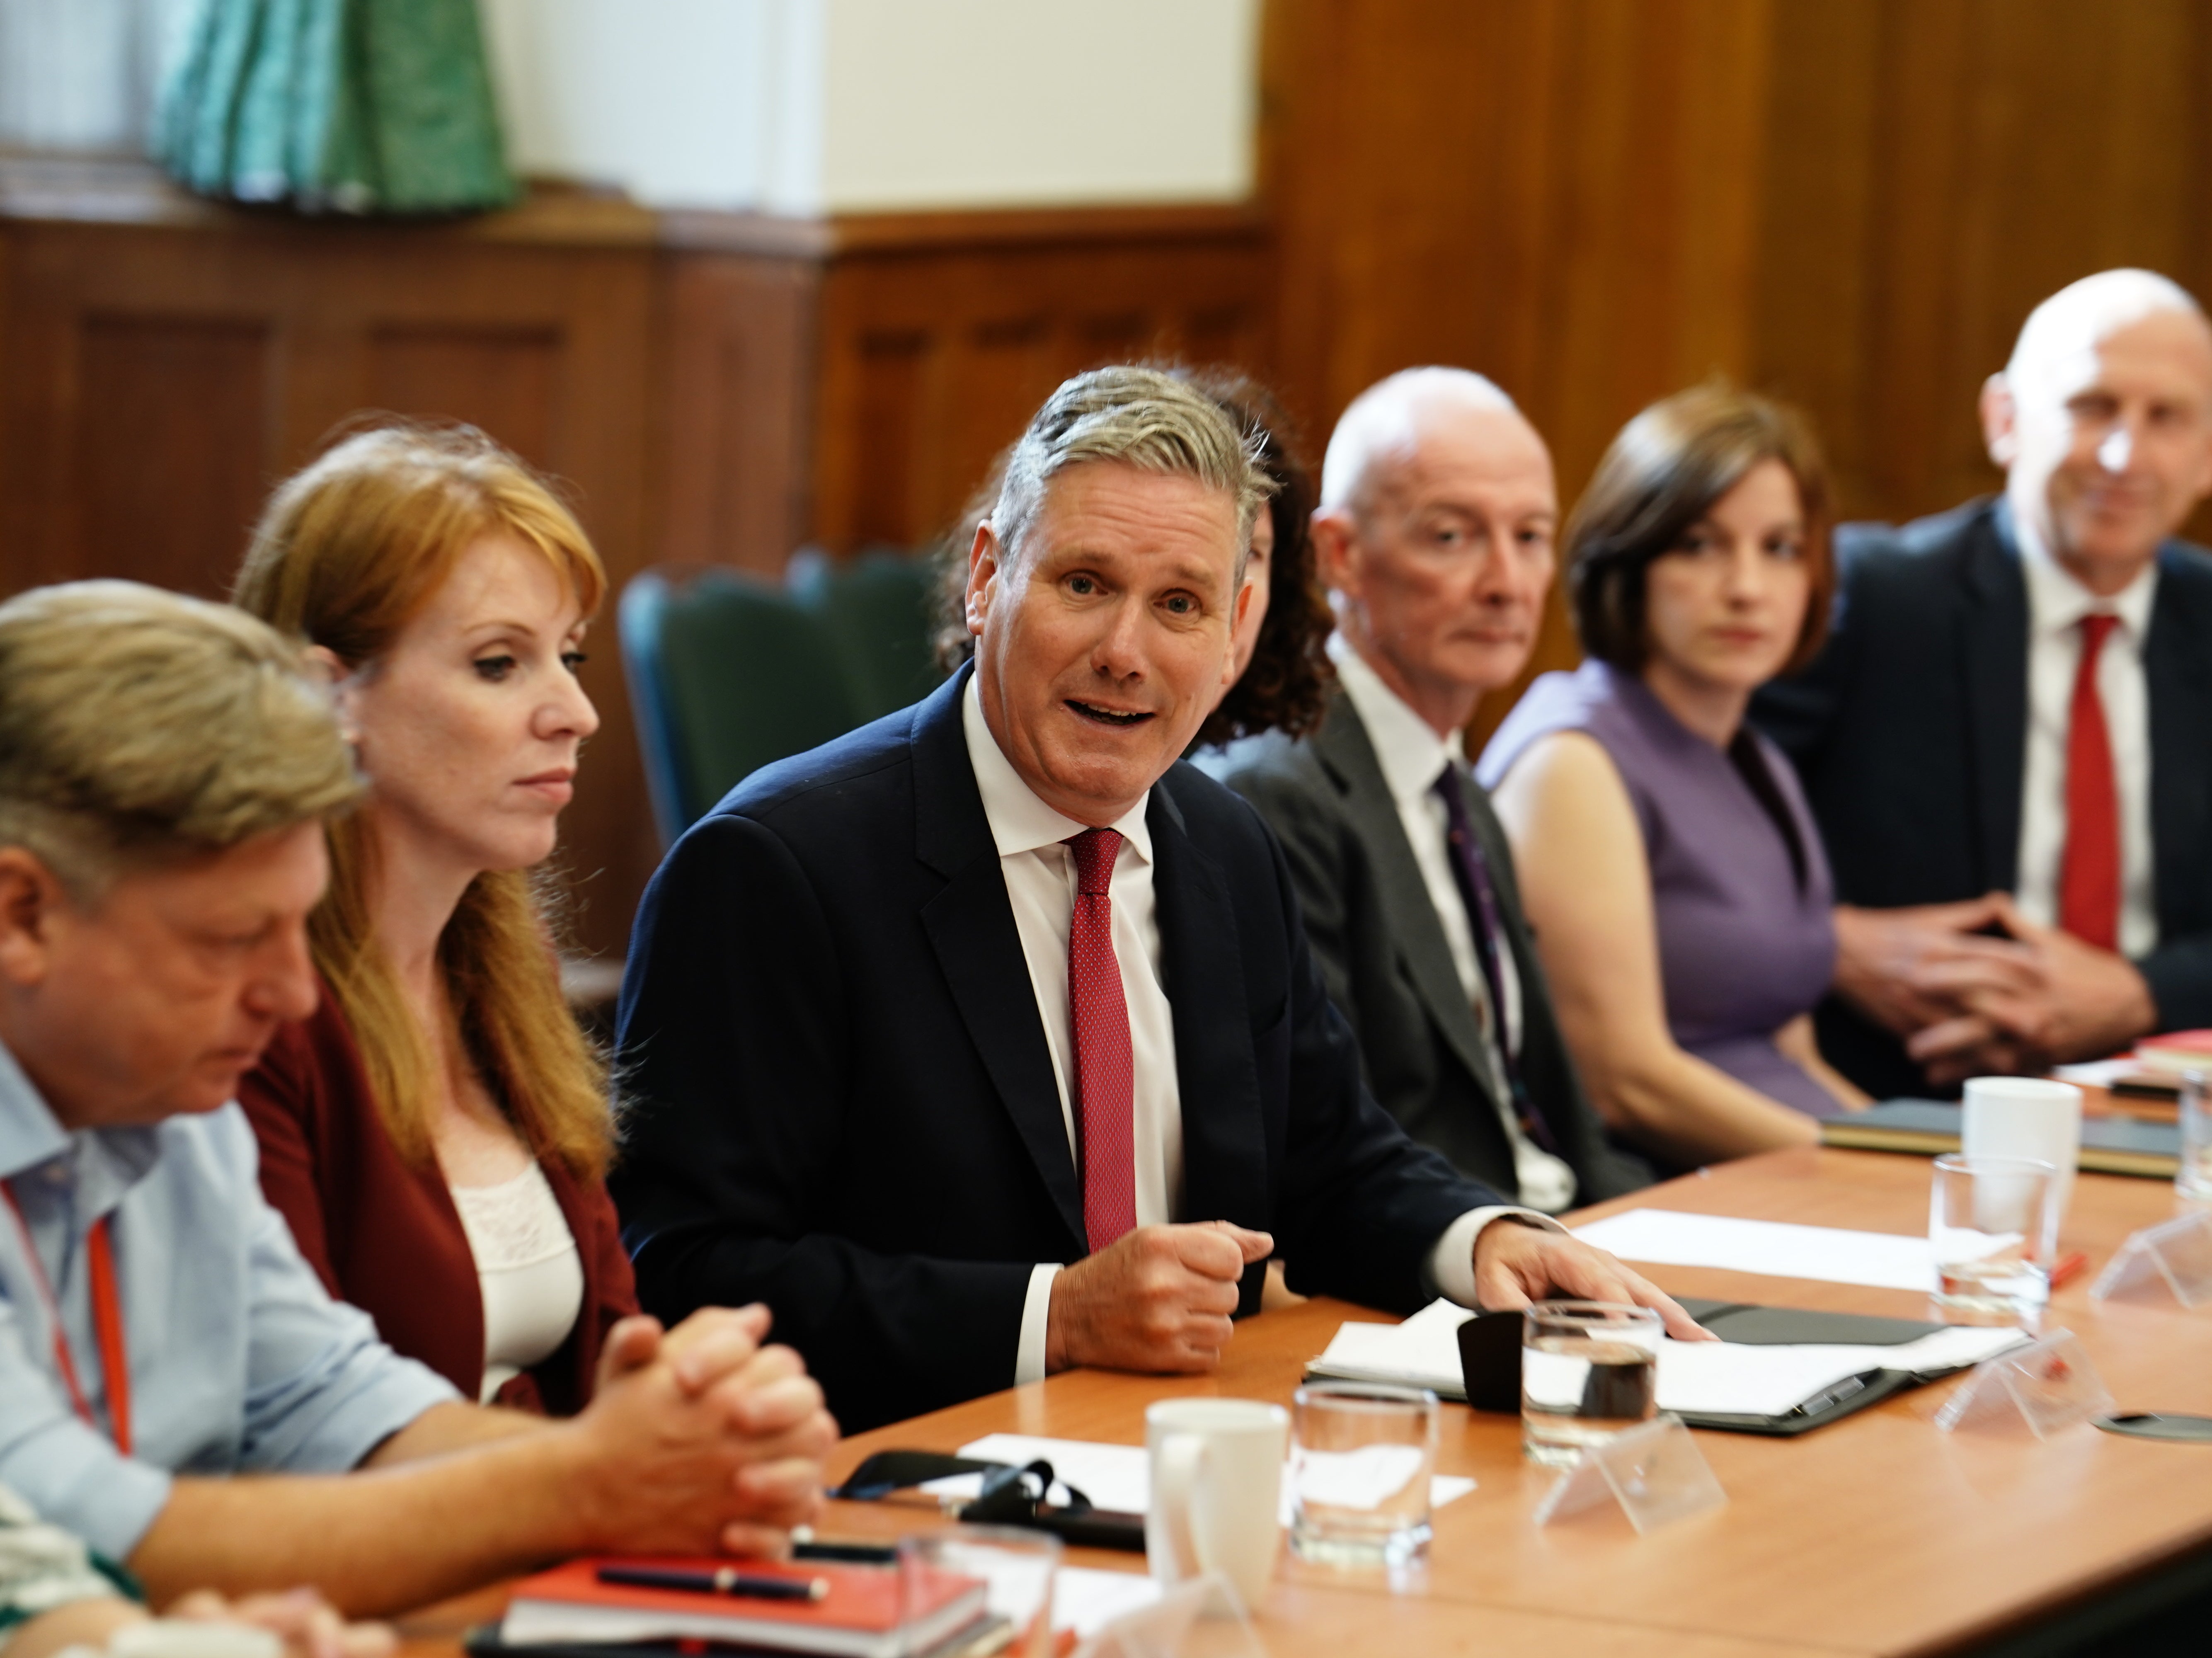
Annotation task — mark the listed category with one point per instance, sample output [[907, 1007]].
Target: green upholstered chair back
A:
[[876, 609], [729, 672]]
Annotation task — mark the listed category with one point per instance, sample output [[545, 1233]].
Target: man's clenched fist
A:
[[1157, 1299]]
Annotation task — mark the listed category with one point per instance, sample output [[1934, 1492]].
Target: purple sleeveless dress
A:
[[1740, 885]]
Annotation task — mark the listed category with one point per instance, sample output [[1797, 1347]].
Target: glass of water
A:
[[1994, 1226], [1361, 1458], [1588, 1369], [2193, 1180]]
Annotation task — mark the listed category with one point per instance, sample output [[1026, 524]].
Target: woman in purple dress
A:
[[1674, 878]]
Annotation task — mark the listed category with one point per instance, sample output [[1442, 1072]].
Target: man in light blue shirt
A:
[[165, 767]]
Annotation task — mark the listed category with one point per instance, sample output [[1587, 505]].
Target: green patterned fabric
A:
[[360, 105]]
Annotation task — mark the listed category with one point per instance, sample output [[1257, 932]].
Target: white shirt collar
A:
[[1412, 755], [1019, 821], [2056, 600]]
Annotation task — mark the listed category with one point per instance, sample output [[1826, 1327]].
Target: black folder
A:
[[1490, 1360]]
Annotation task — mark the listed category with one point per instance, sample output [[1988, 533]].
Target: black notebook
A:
[[1490, 1359]]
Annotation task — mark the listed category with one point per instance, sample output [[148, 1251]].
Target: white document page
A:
[[1666, 1238], [1118, 1477], [1711, 1378], [1086, 1601]]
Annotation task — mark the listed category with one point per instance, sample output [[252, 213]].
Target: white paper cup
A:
[[2027, 1117]]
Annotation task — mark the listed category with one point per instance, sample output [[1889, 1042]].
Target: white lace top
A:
[[526, 1261]]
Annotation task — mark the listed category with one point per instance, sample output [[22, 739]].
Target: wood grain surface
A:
[[1880, 1534]]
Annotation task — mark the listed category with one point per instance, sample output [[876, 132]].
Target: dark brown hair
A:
[[1663, 474], [1285, 685]]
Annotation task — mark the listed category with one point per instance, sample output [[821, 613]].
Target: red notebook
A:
[[2177, 1051], [858, 1619]]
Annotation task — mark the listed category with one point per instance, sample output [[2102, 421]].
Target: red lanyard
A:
[[106, 1324]]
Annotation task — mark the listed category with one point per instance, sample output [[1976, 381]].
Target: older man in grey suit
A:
[[1435, 536]]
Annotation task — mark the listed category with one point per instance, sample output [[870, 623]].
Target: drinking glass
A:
[[1994, 1226], [1361, 1458], [2193, 1179], [1016, 1565], [1588, 1369]]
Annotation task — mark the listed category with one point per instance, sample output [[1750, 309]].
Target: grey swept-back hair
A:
[[1141, 417], [138, 726]]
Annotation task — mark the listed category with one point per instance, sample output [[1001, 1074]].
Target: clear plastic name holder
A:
[[2049, 1384], [2178, 1251], [1655, 1472]]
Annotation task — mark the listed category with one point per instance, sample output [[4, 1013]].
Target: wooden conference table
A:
[[1876, 1535]]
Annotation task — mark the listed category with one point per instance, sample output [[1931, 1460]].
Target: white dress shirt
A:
[[2057, 602], [1040, 878], [1412, 757]]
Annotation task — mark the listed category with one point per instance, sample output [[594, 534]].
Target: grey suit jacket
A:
[[1388, 968]]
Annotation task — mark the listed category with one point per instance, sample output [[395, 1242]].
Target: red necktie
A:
[[1105, 1073], [2089, 870]]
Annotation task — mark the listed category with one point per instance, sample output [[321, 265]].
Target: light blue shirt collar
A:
[[102, 1163]]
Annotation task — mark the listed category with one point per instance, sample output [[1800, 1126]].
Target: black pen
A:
[[867, 1554], [723, 1580]]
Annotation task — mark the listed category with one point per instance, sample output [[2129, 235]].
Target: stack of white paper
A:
[[1830, 1254]]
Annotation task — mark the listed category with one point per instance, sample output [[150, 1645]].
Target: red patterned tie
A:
[[2089, 870], [1105, 1074]]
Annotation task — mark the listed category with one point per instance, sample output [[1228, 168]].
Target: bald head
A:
[[2072, 323], [1435, 536], [1384, 428], [2103, 422]]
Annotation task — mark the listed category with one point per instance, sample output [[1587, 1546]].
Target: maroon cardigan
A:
[[385, 1235]]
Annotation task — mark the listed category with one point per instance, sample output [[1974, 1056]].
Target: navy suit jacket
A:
[[843, 1104], [1910, 733]]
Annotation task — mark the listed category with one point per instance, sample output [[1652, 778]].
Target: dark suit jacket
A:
[[384, 1234], [1383, 955], [845, 1106], [1910, 730]]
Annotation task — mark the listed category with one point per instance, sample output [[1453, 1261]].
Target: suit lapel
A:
[[1343, 747], [1993, 626], [2179, 679], [1224, 1150], [971, 927]]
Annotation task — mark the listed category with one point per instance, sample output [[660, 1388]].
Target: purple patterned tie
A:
[[1471, 870]]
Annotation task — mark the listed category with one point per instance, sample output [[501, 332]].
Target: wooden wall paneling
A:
[[938, 342], [735, 433], [1563, 197], [503, 380], [1936, 168], [162, 376], [167, 442]]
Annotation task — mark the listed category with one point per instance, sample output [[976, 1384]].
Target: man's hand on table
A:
[[701, 1439], [1158, 1299], [1516, 1264]]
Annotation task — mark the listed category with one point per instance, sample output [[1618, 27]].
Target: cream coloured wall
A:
[[1000, 103], [828, 106]]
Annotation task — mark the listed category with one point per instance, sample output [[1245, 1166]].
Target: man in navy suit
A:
[[2007, 740], [985, 1042]]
